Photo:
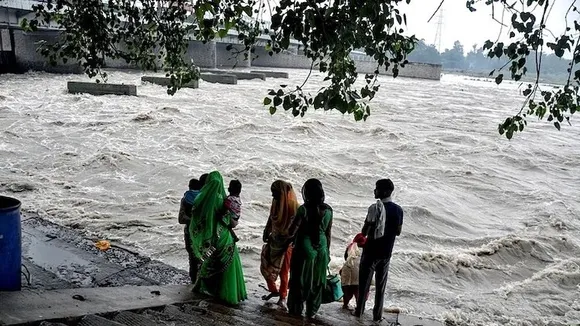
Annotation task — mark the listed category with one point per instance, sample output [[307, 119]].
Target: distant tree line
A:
[[477, 61]]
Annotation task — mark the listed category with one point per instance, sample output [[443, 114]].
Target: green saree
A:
[[309, 265], [220, 274]]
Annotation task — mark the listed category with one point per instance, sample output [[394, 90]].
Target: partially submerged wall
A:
[[366, 65]]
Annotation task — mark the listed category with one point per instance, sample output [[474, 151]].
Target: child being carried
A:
[[233, 206]]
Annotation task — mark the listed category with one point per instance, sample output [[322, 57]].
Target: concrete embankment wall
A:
[[209, 55], [27, 58], [280, 60], [367, 65]]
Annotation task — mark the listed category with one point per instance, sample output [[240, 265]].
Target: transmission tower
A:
[[439, 32]]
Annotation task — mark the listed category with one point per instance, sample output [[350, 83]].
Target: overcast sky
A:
[[472, 28]]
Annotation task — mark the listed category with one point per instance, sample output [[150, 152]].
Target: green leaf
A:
[[499, 79], [267, 101], [277, 101], [222, 33], [287, 105], [509, 134], [272, 110]]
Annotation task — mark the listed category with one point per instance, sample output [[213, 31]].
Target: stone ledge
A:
[[239, 74], [101, 89], [272, 74], [165, 81], [219, 78]]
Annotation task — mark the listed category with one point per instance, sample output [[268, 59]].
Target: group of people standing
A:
[[296, 246]]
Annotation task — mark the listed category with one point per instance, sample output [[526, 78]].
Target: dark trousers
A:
[[368, 267], [193, 261]]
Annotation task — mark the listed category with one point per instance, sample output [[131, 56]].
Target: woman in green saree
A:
[[311, 253], [220, 274]]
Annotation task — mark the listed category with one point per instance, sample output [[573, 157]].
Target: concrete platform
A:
[[59, 258], [165, 81], [164, 305], [219, 78], [119, 287], [239, 74], [272, 74], [93, 88], [34, 306]]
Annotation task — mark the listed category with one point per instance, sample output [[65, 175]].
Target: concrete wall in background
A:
[[411, 70], [203, 55], [280, 60], [227, 59], [367, 65], [27, 58], [209, 55]]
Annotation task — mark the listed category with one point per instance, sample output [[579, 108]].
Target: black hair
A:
[[235, 187], [202, 180], [385, 187], [194, 184], [313, 194]]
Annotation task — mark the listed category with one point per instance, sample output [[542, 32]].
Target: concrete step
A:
[[250, 314], [48, 323], [29, 306], [165, 81], [273, 74], [219, 78], [226, 316], [200, 316], [239, 74], [94, 320], [173, 315], [132, 319]]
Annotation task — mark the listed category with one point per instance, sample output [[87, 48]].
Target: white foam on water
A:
[[491, 233]]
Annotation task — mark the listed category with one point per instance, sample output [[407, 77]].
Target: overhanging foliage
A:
[[155, 34]]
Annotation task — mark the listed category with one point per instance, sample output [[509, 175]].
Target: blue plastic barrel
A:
[[10, 244]]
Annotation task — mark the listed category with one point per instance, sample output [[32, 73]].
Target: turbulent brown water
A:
[[491, 233]]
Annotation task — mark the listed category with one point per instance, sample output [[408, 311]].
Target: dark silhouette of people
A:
[[382, 225]]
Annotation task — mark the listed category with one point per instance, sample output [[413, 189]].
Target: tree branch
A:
[[572, 62]]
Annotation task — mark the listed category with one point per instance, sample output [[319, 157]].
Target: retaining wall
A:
[[227, 59], [280, 60], [27, 58], [209, 55], [202, 55], [411, 70]]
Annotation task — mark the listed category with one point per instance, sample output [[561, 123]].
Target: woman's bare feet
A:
[[282, 304]]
